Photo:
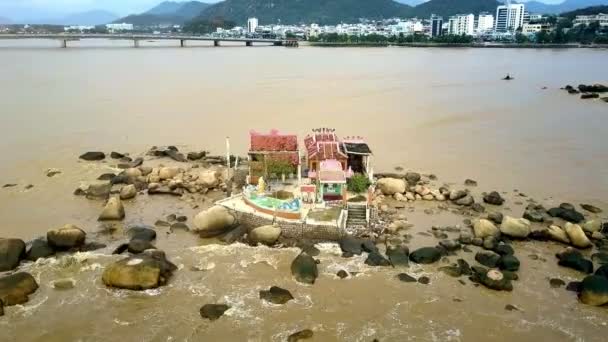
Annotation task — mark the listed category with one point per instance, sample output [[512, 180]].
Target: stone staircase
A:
[[356, 216]]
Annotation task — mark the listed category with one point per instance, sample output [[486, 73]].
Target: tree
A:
[[358, 183], [521, 38]]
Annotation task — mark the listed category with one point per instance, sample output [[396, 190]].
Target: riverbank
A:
[[457, 45]]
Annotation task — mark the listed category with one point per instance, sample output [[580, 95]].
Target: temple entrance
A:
[[355, 162]]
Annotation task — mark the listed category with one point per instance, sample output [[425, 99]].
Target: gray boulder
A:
[[391, 186], [276, 295], [515, 227], [128, 191], [426, 255], [98, 190], [594, 290], [145, 271], [466, 201], [412, 178], [484, 228], [113, 211], [213, 221], [93, 156], [16, 288], [556, 233], [577, 235], [11, 253], [267, 235], [493, 198], [39, 248], [66, 237], [213, 311], [304, 269]]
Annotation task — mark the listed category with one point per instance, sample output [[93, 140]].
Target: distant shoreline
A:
[[469, 45]]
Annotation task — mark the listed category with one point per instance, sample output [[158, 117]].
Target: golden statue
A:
[[261, 186]]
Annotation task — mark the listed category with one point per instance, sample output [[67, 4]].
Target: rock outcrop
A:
[[11, 253], [213, 221], [145, 271], [66, 237]]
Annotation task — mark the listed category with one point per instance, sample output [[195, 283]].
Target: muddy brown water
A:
[[441, 111]]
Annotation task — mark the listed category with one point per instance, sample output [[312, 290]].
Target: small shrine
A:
[[321, 194], [273, 155]]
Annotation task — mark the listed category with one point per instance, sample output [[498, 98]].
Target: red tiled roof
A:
[[273, 142], [323, 146]]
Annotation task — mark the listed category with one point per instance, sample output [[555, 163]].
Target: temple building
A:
[[273, 155]]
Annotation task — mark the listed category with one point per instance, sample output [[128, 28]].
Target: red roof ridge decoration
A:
[[323, 144]]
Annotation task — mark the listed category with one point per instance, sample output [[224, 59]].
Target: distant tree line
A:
[[203, 26]]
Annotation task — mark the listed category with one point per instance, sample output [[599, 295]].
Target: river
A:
[[440, 111]]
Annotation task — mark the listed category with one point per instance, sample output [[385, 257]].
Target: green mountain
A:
[[304, 11], [166, 7], [586, 11], [565, 6], [447, 8], [166, 13]]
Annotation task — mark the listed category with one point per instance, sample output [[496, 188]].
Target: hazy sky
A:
[[35, 8]]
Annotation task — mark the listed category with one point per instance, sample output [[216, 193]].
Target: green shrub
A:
[[358, 183]]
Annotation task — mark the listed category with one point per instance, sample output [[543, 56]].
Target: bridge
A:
[[64, 38]]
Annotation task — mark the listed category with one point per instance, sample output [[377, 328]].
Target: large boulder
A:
[[577, 235], [466, 201], [508, 263], [591, 208], [39, 248], [492, 279], [15, 288], [425, 255], [458, 194], [208, 179], [267, 235], [594, 290], [398, 256], [213, 311], [484, 228], [148, 270], [567, 213], [412, 178], [351, 245], [66, 237], [556, 233], [515, 227], [113, 211], [535, 213], [572, 258], [376, 259], [128, 191], [592, 226], [93, 156], [168, 172], [304, 268], [98, 190], [213, 221], [391, 186], [276, 295], [493, 198], [11, 253], [487, 258], [141, 233]]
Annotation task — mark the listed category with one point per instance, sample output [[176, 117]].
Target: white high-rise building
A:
[[509, 17], [485, 23], [462, 24], [252, 24]]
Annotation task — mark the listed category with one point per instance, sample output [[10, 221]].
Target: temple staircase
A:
[[357, 215]]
